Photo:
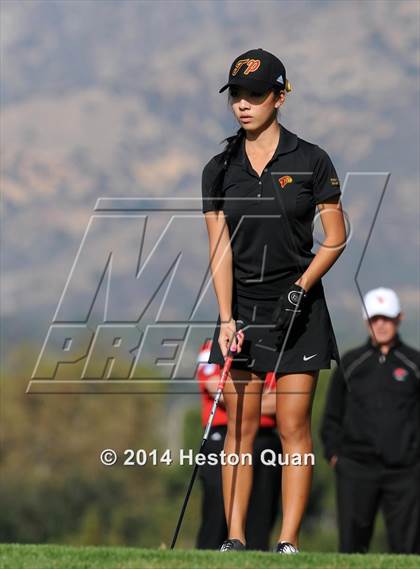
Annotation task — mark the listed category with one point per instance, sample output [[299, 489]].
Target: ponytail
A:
[[232, 146]]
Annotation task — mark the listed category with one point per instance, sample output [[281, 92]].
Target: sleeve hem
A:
[[209, 208], [320, 199]]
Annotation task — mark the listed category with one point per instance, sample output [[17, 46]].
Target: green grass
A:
[[16, 556]]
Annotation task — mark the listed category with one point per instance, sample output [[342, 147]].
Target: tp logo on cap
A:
[[251, 65]]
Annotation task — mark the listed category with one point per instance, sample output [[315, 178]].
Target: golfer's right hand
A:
[[227, 331]]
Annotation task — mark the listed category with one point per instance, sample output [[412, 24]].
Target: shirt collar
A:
[[397, 342], [288, 142]]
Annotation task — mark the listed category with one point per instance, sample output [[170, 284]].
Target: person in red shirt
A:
[[265, 497]]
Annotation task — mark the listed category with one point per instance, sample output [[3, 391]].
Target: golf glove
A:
[[292, 300]]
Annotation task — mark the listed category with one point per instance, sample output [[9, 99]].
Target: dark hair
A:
[[232, 146]]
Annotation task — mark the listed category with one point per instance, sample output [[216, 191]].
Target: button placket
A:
[[260, 184]]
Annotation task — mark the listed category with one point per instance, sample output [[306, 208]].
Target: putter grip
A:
[[228, 360], [232, 350]]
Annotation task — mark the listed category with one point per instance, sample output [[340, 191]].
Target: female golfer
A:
[[259, 198]]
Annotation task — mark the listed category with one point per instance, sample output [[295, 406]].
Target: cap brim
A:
[[373, 313], [250, 84]]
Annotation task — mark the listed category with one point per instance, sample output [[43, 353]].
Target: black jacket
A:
[[372, 412]]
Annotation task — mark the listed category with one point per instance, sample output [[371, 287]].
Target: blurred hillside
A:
[[120, 99]]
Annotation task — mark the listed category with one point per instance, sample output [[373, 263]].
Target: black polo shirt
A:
[[270, 217]]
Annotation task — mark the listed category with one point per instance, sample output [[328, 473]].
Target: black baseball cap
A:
[[257, 70]]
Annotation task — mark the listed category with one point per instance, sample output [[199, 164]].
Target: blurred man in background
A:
[[265, 495], [371, 432]]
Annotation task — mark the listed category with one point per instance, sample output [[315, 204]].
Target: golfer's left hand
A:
[[291, 301]]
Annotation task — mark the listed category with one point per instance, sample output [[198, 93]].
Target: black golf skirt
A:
[[310, 343]]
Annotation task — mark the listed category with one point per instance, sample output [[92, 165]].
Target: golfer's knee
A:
[[294, 430]]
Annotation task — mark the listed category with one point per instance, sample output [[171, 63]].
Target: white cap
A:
[[383, 301]]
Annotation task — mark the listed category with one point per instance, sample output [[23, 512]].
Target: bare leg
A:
[[294, 399], [242, 398]]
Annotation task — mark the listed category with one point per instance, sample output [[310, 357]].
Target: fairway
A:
[[64, 557]]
